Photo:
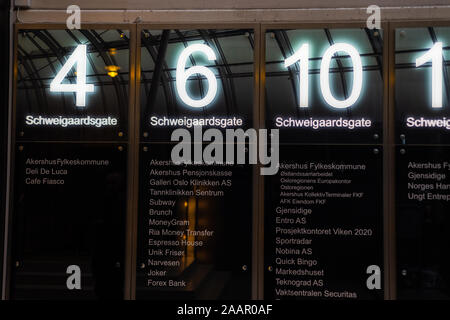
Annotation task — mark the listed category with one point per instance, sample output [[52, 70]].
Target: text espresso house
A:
[[175, 243]]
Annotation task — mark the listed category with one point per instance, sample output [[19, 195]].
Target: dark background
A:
[[423, 236], [281, 87], [413, 85], [41, 53], [344, 259], [421, 227], [234, 69], [83, 221], [217, 269], [4, 68]]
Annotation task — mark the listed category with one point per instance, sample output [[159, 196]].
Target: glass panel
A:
[[69, 221], [70, 169], [324, 208], [423, 224], [416, 120], [232, 67], [323, 223], [48, 115], [194, 235], [422, 136], [195, 221], [359, 123]]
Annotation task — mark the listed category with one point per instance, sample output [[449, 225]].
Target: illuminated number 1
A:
[[183, 75], [435, 55], [302, 56], [81, 87]]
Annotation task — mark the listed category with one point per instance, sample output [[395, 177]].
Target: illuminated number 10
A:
[[302, 56], [435, 55], [81, 87]]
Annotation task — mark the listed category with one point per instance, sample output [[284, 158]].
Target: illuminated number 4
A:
[[80, 87], [435, 55], [302, 56]]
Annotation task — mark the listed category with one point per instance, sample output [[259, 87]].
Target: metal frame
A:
[[256, 116], [386, 151], [131, 113], [258, 265], [4, 126]]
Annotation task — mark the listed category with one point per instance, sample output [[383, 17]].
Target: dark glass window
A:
[[70, 165], [323, 210], [41, 54], [194, 229], [422, 151]]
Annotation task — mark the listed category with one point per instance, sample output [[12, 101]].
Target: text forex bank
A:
[[203, 183]]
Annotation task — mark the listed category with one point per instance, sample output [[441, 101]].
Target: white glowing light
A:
[[435, 55], [81, 87], [183, 75], [357, 75], [302, 56]]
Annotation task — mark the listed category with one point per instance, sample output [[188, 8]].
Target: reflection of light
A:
[[112, 51], [112, 70]]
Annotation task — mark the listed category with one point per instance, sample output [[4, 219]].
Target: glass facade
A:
[[421, 135], [99, 208]]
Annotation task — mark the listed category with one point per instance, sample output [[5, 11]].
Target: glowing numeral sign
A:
[[302, 56], [78, 57], [435, 55], [183, 75]]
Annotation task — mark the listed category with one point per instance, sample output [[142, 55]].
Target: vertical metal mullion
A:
[[386, 166], [390, 171], [256, 205], [131, 180], [261, 179], [10, 163], [136, 148]]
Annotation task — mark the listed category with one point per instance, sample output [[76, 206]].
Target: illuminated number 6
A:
[[80, 88], [183, 75], [357, 75], [435, 55]]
